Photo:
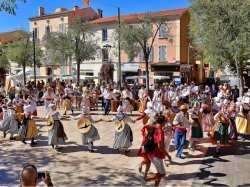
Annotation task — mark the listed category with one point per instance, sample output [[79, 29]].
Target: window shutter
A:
[[165, 53], [151, 55]]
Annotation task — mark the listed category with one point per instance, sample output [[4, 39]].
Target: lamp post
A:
[[108, 47], [34, 57], [189, 46]]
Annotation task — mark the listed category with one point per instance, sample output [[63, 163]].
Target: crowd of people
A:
[[184, 113]]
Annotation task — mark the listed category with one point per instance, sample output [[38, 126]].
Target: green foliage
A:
[[9, 5], [77, 42], [21, 52], [222, 28], [3, 58]]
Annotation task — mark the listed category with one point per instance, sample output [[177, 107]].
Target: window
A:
[[104, 34], [62, 28], [162, 53], [105, 55], [141, 55], [151, 55], [163, 31], [47, 30], [36, 33]]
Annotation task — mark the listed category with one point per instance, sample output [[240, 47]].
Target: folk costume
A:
[[148, 113], [219, 135], [207, 117], [56, 133], [28, 128], [89, 132], [243, 121], [9, 124], [67, 104], [181, 124], [144, 98], [196, 130], [48, 98], [18, 103], [157, 99], [123, 134]]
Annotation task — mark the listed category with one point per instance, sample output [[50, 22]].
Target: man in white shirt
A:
[[108, 96], [181, 122], [141, 93]]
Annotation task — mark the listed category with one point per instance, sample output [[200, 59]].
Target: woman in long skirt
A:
[[219, 135], [28, 128], [89, 132], [123, 134], [243, 121], [196, 131], [56, 132]]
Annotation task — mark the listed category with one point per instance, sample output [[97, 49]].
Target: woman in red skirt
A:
[[146, 128]]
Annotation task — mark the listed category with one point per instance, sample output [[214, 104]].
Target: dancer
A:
[[146, 161], [48, 98], [28, 128], [219, 135], [56, 132], [89, 132], [149, 112], [243, 121], [123, 133], [196, 131], [18, 103], [67, 104], [181, 124]]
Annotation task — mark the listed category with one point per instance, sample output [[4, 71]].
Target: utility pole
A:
[[34, 50], [119, 50]]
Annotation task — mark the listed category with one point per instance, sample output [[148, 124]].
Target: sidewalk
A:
[[75, 166]]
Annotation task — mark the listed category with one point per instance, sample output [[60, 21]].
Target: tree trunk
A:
[[240, 76], [24, 74], [147, 74], [78, 72]]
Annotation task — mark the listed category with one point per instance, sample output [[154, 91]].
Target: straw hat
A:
[[50, 123], [119, 126], [183, 107], [84, 125]]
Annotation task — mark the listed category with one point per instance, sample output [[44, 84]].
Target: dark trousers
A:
[[106, 106]]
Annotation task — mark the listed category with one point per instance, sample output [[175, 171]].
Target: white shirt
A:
[[180, 118], [109, 95], [141, 93]]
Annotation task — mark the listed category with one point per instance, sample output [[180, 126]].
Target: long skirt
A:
[[28, 129], [207, 122], [13, 127], [243, 125], [197, 132], [67, 104], [5, 124], [57, 134], [90, 136], [220, 134], [124, 139], [233, 130]]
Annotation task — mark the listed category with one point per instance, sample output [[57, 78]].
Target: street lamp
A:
[[189, 46], [108, 47]]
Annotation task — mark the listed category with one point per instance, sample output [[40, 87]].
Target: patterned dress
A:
[[124, 139]]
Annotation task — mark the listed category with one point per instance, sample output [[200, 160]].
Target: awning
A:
[[150, 77], [130, 67], [165, 67], [89, 77]]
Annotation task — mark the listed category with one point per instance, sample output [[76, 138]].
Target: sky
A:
[[30, 9]]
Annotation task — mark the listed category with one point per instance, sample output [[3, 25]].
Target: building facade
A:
[[58, 21], [169, 60]]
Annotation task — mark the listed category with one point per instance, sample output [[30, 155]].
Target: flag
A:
[[86, 2]]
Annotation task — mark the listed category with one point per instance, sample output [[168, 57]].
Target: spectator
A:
[[29, 176]]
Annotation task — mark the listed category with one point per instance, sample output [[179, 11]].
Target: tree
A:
[[21, 52], [9, 5], [141, 36], [77, 43], [3, 58], [223, 30], [107, 71]]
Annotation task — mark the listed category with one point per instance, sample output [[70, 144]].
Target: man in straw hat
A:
[[181, 123], [56, 132], [89, 132]]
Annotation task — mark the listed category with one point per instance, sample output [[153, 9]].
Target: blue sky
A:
[[30, 9]]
